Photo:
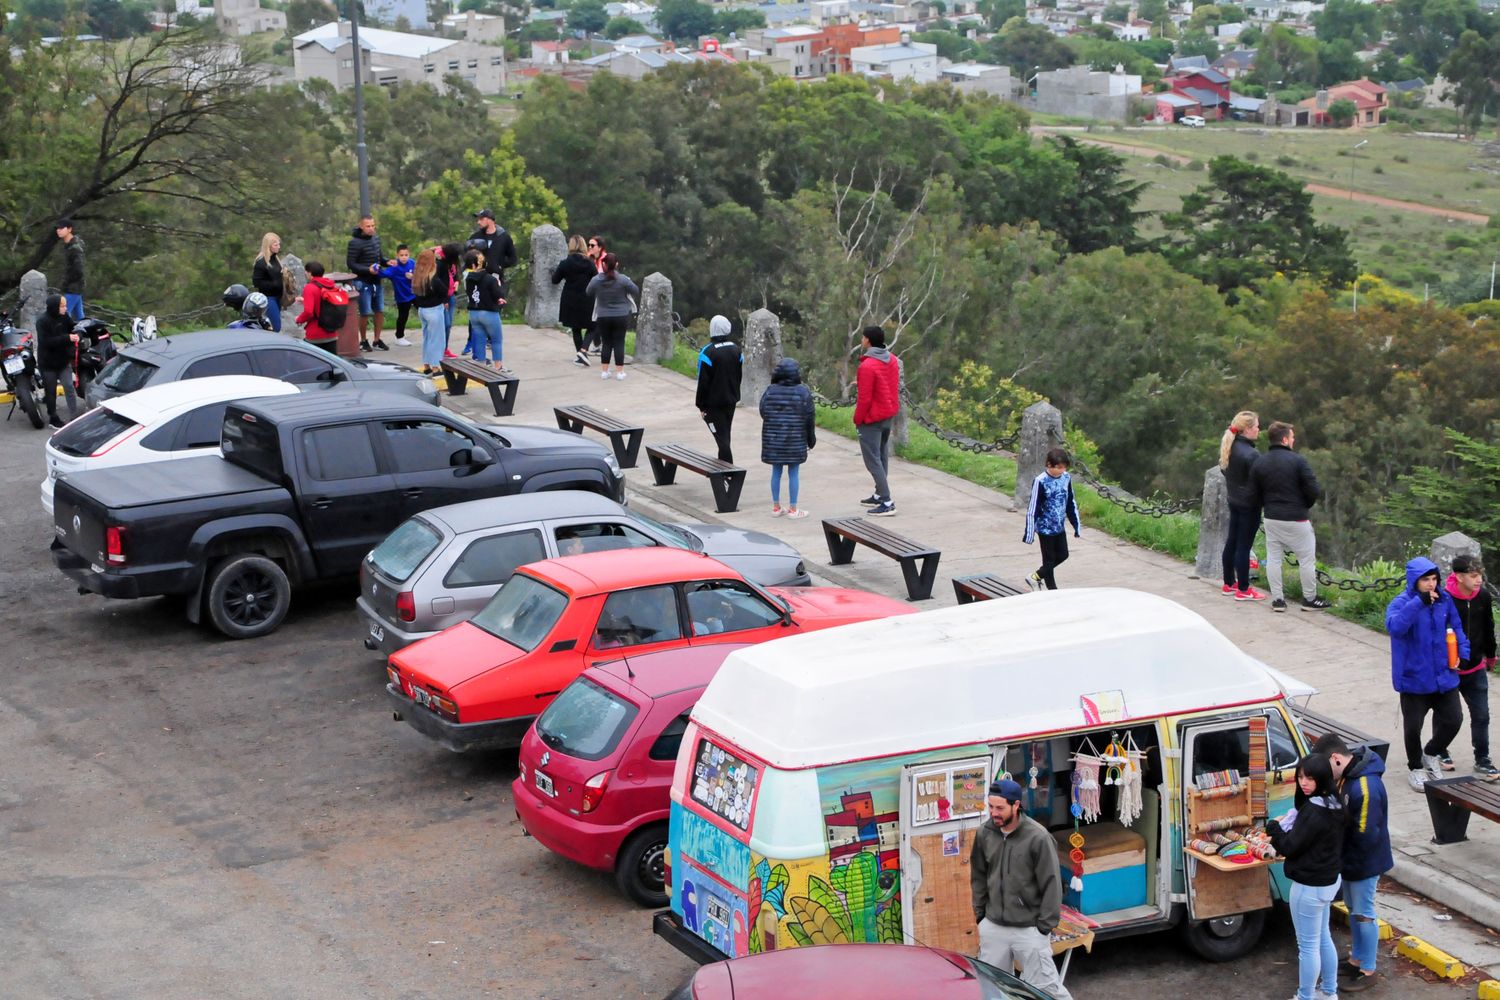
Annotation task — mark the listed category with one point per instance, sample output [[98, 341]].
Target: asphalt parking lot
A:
[[182, 816]]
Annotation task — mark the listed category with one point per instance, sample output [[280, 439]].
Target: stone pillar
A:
[[548, 248], [1454, 543], [31, 301], [293, 263], [1213, 525], [1041, 431], [762, 349], [653, 328]]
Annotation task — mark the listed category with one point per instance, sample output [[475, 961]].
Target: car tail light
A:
[[395, 676], [593, 790], [406, 606], [114, 546], [666, 870]]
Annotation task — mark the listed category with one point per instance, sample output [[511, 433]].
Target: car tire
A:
[[248, 596], [641, 868], [1225, 939], [27, 401]]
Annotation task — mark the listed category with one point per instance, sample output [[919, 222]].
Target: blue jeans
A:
[[75, 306], [1316, 956], [273, 313], [434, 336], [1364, 932], [448, 318], [485, 332], [791, 482], [371, 297]]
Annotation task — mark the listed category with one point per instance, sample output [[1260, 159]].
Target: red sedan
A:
[[479, 685]]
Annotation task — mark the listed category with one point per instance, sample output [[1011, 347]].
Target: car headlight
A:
[[614, 464], [426, 386]]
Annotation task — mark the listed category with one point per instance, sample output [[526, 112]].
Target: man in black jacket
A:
[[495, 243], [72, 283], [364, 259], [720, 366], [1285, 487]]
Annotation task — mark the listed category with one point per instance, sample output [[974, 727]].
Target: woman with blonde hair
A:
[[1236, 455], [268, 278], [429, 285], [575, 310]]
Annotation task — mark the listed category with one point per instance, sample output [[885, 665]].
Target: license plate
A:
[[544, 784], [420, 697], [14, 365], [376, 632]]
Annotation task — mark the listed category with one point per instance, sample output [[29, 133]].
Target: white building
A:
[[798, 44], [477, 27], [979, 78], [327, 53], [901, 61], [245, 17]]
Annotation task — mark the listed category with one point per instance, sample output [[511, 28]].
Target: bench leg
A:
[[727, 486], [1450, 823], [840, 549], [456, 383], [627, 446], [961, 595], [663, 473], [565, 424], [503, 398], [919, 581]]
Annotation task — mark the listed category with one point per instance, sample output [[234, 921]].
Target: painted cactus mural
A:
[[855, 903]]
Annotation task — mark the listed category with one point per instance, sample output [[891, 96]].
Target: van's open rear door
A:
[[1222, 750], [943, 804]]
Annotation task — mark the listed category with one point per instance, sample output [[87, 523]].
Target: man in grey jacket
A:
[[1017, 884]]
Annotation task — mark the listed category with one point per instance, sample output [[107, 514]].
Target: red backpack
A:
[[333, 308]]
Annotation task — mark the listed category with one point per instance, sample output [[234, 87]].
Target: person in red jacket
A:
[[312, 301], [878, 400]]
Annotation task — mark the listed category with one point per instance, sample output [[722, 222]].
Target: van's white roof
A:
[[973, 674]]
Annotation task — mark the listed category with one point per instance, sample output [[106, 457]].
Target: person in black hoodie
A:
[[1236, 455], [720, 366], [1284, 487], [495, 243], [575, 310], [1466, 586], [1360, 775], [56, 344], [364, 258], [1311, 839]]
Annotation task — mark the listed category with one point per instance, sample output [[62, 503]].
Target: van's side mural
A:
[[711, 911]]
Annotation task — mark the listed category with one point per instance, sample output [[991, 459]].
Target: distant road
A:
[[1323, 189]]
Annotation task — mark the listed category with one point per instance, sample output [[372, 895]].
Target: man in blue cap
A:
[[1017, 886]]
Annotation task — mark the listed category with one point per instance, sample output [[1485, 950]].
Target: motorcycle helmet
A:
[[235, 295], [254, 309]]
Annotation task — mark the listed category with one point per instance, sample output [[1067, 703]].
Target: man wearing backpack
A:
[[325, 307]]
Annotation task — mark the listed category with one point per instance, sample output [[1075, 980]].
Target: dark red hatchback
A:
[[596, 766]]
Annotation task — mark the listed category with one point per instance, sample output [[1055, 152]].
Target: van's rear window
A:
[[251, 443], [723, 783]]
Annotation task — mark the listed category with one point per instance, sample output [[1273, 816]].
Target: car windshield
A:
[[522, 612], [585, 721], [404, 549], [678, 537], [125, 374], [90, 433], [997, 985]]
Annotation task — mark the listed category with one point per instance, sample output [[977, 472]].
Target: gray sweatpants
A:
[[1297, 538], [875, 449], [1008, 947]]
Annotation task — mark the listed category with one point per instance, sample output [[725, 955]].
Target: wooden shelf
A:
[[1214, 861]]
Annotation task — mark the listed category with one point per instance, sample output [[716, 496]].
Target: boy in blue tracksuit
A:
[[1418, 621], [1366, 855], [399, 272], [1048, 514]]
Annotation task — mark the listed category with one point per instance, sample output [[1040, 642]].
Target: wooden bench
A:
[[984, 587], [458, 371], [624, 438], [919, 563], [1314, 724], [1450, 801], [727, 480]]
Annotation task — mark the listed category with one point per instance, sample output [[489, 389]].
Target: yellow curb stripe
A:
[[1384, 930], [1489, 990], [1433, 959]]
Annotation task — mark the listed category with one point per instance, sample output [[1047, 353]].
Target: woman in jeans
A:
[[1236, 455], [1311, 838], [429, 283], [615, 296], [482, 290], [56, 345]]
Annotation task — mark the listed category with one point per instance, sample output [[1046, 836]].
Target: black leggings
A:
[[1447, 719], [403, 311], [580, 338], [1054, 553], [1244, 522], [612, 338]]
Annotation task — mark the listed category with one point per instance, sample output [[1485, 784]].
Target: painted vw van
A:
[[829, 786]]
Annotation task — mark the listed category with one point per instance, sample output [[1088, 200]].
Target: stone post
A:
[[548, 248], [1454, 543], [293, 263], [1041, 431], [653, 328], [1213, 525], [762, 349], [31, 301]]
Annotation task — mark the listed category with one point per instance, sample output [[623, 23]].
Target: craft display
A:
[[1260, 751], [1086, 794]]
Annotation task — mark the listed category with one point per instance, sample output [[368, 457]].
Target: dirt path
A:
[[1452, 214]]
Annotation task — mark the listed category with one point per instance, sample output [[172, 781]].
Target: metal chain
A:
[[1360, 586], [1151, 508]]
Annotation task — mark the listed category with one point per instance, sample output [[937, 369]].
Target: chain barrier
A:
[[1359, 586], [1130, 504]]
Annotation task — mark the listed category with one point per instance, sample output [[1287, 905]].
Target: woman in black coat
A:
[[576, 309], [56, 345], [788, 432], [1311, 838]]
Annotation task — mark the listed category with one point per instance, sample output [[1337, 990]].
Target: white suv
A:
[[1192, 121]]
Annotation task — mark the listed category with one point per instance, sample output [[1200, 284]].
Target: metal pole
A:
[[360, 154], [1492, 279]]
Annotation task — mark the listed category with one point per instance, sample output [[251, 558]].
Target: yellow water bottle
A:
[[1452, 650]]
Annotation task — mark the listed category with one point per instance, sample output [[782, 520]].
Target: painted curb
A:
[[1489, 990], [1434, 959], [1384, 930]]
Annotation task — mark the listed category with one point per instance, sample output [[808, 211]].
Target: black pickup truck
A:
[[306, 486]]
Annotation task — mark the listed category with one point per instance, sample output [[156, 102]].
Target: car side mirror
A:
[[331, 375], [479, 455]]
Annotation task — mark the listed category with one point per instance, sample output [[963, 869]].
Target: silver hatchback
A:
[[439, 567]]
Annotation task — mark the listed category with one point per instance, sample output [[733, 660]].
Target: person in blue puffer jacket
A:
[[1418, 621], [788, 432]]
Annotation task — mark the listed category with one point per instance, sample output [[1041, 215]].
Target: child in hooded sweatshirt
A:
[[1418, 620], [1051, 510], [399, 272], [1465, 585]]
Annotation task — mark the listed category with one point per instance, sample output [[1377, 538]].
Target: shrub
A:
[[1286, 161], [1368, 220], [1197, 165], [1378, 169], [1400, 159], [1455, 241]]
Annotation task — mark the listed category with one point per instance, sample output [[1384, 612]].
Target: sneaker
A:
[[448, 354], [381, 345], [1229, 590], [402, 342], [466, 351], [796, 514], [581, 359], [620, 376], [1249, 594], [364, 345], [55, 421], [1446, 762], [1348, 970], [777, 512], [1316, 604], [1482, 766], [886, 509], [1358, 983], [604, 374], [873, 500], [1278, 605], [505, 372], [1034, 581], [1417, 780], [1433, 766]]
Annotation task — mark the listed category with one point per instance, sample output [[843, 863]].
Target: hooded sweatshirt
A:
[[312, 301], [788, 421], [1477, 613], [878, 386], [1314, 846], [720, 366], [1367, 839], [54, 343], [1419, 635]]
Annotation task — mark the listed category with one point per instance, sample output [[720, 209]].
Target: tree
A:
[[1158, 50], [304, 14], [1197, 43], [501, 182], [998, 12], [738, 21], [1427, 30], [1249, 223], [1027, 46], [1455, 493], [1098, 210], [1285, 58], [950, 44], [1117, 12], [1154, 11], [1342, 111], [685, 19], [1352, 20], [1472, 70], [619, 27], [587, 16], [1337, 62]]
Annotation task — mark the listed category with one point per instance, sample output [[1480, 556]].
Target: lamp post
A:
[[1351, 166], [361, 156]]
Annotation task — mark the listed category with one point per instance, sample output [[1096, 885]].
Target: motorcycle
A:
[[23, 380], [94, 349]]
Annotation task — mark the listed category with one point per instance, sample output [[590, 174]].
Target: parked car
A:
[[596, 767], [306, 485], [250, 352], [174, 420], [440, 567], [855, 972], [1192, 121], [479, 684]]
